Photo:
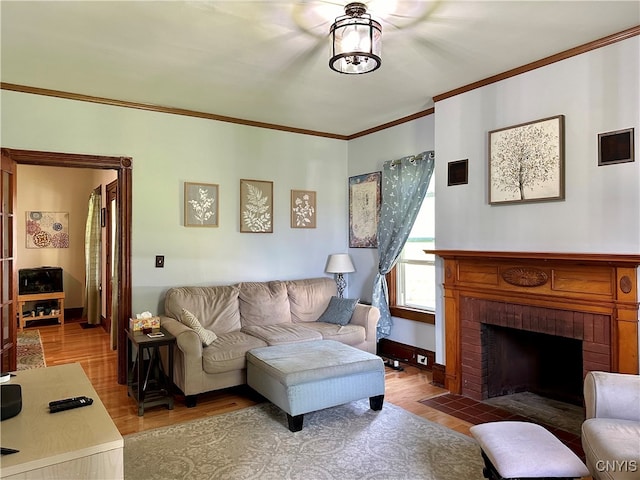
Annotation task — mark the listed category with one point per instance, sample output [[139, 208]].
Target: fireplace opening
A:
[[524, 361]]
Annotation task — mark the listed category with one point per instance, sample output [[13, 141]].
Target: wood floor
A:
[[90, 347]]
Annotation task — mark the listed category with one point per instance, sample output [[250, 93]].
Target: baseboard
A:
[[407, 354], [73, 313]]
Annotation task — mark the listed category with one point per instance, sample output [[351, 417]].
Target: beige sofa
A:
[[250, 315], [611, 431]]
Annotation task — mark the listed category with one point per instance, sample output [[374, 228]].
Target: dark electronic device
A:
[[69, 404], [10, 400], [66, 400], [40, 280]]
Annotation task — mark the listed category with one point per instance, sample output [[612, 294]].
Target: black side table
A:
[[147, 381]]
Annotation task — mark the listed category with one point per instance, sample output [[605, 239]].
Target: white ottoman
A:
[[513, 450], [308, 376]]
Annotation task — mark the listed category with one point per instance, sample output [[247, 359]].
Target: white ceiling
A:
[[267, 61]]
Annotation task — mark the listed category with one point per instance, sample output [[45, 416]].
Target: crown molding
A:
[[587, 47], [399, 121], [160, 109]]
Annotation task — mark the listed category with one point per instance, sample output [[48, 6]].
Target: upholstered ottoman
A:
[[308, 376], [523, 450]]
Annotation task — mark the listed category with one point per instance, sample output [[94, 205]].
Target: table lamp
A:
[[339, 264]]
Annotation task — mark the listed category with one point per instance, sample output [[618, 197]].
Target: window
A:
[[412, 285]]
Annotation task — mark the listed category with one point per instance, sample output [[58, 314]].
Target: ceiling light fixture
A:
[[356, 41]]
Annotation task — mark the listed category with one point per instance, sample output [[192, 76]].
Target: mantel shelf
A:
[[619, 259]]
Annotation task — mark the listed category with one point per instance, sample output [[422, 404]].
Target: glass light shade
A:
[[356, 44], [339, 263]]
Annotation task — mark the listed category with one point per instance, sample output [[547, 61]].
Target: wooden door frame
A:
[[111, 193], [123, 165], [8, 350]]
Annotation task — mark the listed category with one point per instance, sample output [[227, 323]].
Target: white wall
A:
[[367, 154], [168, 150], [597, 92]]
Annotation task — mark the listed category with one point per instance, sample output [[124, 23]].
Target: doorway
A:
[[122, 218]]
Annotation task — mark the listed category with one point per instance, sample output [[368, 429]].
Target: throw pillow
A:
[[339, 310], [206, 336]]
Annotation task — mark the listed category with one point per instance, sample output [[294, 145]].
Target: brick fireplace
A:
[[545, 315], [486, 352]]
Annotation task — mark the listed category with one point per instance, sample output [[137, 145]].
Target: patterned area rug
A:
[[348, 442], [30, 351]]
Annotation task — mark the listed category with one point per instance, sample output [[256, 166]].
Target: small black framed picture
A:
[[615, 147], [458, 172]]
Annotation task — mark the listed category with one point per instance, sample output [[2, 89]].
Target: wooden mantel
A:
[[604, 284]]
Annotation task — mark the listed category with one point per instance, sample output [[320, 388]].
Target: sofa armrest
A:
[[366, 316], [612, 395], [187, 339]]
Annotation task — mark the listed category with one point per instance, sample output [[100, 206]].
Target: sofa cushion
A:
[[314, 362], [264, 303], [612, 439], [348, 334], [282, 334], [228, 352], [206, 336], [339, 311], [309, 297], [215, 307]]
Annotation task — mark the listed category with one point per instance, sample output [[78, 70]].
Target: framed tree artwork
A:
[[256, 206], [200, 204], [365, 194], [526, 162], [303, 209]]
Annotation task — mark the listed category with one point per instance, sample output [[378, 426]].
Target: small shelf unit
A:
[[40, 297]]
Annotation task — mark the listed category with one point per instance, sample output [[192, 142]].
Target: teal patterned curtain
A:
[[404, 185]]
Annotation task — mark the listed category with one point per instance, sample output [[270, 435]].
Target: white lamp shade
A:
[[339, 263]]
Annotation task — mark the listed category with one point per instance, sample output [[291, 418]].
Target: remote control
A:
[[82, 402], [66, 400], [8, 451]]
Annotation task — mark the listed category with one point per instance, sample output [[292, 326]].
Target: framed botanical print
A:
[[303, 209], [365, 194], [256, 206], [200, 204]]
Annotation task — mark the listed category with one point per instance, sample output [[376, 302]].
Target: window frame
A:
[[400, 311]]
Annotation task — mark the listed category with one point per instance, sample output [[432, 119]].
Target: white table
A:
[[81, 443]]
